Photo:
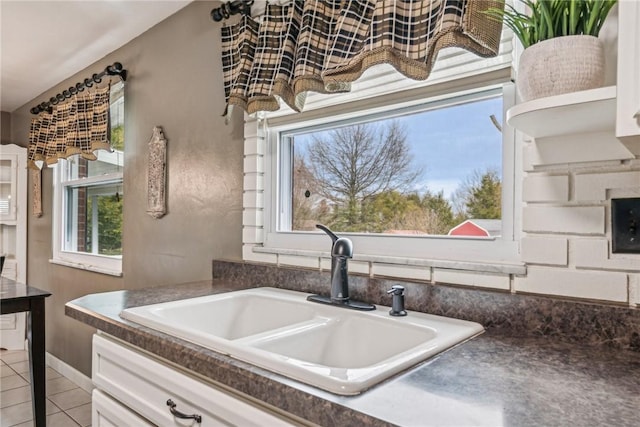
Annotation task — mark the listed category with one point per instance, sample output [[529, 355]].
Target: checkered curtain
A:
[[324, 45], [79, 126]]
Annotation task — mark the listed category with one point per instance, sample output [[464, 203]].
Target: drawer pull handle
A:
[[172, 408]]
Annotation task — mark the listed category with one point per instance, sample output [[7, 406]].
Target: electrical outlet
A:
[[625, 225]]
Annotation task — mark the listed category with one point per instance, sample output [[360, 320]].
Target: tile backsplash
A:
[[511, 314]]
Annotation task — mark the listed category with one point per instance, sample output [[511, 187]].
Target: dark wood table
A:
[[17, 297]]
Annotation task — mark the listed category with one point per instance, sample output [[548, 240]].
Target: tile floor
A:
[[67, 404]]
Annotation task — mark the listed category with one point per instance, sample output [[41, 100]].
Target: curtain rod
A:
[[111, 70], [231, 8]]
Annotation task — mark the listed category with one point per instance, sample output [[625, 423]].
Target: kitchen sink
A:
[[339, 350]]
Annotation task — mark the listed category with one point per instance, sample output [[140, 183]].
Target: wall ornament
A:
[[157, 167]]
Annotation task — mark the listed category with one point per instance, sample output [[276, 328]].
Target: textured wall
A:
[[175, 82], [5, 127]]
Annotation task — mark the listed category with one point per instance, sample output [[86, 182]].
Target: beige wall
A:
[[174, 82], [5, 127]]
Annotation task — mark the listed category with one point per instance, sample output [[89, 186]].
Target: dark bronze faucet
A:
[[341, 251]]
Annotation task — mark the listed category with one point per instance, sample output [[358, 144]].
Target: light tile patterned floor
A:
[[67, 404]]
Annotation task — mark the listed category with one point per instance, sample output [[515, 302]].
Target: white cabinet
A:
[[628, 102], [145, 385], [13, 235]]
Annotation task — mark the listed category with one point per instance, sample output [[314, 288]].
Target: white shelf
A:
[[572, 113], [571, 128]]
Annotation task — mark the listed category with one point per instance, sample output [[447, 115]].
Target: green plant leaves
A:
[[547, 19]]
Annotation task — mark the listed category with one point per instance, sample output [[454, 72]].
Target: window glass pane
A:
[[94, 219], [420, 173]]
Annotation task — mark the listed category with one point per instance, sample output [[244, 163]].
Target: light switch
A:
[[625, 225]]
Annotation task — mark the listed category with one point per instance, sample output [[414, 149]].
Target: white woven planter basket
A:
[[560, 65]]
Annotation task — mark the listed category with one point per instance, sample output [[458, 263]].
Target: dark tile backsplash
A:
[[512, 314]]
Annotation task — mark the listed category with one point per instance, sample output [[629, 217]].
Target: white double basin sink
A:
[[339, 350]]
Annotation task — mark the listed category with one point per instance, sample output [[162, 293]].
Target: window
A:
[[432, 179], [88, 203]]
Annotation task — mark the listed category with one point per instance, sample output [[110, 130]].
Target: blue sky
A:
[[451, 143]]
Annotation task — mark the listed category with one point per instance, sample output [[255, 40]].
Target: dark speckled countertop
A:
[[495, 379]]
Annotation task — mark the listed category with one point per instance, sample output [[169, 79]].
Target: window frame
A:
[[105, 264], [404, 250]]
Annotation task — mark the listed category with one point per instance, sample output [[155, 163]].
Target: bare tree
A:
[[357, 162]]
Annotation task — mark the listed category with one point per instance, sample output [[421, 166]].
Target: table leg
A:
[[36, 357]]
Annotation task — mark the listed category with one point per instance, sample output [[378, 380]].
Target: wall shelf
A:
[[578, 112], [571, 128]]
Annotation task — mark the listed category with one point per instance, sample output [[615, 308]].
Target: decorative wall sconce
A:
[[157, 174]]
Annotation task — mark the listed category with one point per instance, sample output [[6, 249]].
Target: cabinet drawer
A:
[[106, 412], [144, 384]]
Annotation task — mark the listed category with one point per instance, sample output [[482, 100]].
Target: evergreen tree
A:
[[484, 200]]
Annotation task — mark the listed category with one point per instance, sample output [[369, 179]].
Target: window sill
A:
[[469, 266], [87, 267]]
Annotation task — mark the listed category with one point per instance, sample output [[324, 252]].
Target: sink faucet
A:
[[341, 251]]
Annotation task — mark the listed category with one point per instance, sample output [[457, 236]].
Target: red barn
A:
[[477, 228]]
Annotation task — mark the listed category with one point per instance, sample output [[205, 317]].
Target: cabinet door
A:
[[13, 211], [8, 183], [628, 108]]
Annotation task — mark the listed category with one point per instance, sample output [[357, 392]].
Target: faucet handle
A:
[[328, 231], [396, 290], [341, 246]]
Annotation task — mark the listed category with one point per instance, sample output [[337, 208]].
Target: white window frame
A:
[[105, 264], [503, 249]]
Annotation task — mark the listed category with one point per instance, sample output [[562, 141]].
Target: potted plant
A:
[[562, 50]]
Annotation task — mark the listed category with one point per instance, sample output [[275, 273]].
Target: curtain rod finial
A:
[[231, 8]]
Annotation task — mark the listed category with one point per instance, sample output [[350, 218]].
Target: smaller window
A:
[[89, 198]]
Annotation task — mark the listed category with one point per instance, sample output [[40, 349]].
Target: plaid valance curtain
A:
[[324, 45], [79, 126]]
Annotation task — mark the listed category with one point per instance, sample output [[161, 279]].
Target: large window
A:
[[89, 200], [432, 179]]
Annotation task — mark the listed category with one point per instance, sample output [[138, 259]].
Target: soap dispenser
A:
[[397, 303]]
